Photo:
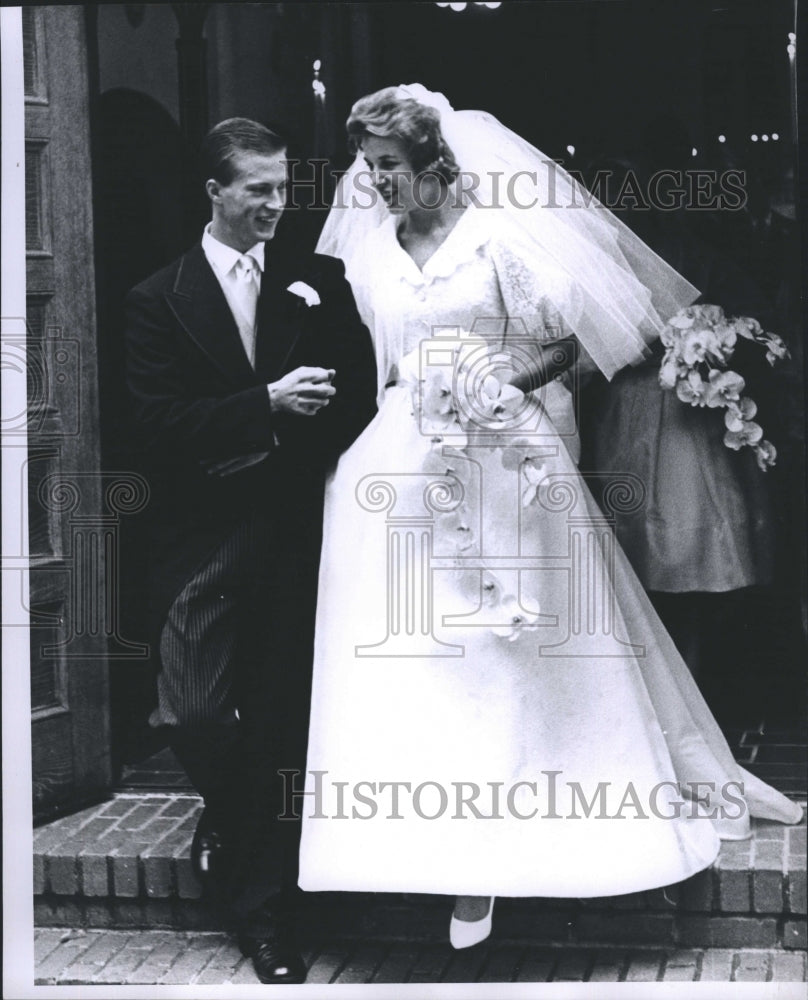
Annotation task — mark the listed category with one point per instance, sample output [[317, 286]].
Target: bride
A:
[[496, 709]]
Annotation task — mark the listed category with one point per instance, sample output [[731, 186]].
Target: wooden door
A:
[[73, 510]]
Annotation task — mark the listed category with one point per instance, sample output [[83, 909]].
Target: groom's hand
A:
[[303, 391]]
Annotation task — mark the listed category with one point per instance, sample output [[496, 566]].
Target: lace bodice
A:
[[479, 280]]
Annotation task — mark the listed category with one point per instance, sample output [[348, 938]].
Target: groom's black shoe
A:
[[275, 957]]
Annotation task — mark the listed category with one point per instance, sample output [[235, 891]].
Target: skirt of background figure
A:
[[718, 544], [704, 544]]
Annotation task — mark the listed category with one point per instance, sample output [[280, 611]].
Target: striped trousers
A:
[[234, 688], [202, 634]]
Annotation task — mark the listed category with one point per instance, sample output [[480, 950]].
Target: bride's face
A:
[[393, 173]]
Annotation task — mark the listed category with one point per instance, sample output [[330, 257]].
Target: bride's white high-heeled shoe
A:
[[465, 933]]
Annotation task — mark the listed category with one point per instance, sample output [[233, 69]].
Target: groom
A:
[[249, 372]]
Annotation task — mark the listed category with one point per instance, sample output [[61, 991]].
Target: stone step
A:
[[125, 864]]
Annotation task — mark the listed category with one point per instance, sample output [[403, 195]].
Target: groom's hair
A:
[[230, 137]]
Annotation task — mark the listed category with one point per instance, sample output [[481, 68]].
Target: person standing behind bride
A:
[[473, 679]]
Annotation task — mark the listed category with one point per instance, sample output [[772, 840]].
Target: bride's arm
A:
[[553, 359], [542, 302]]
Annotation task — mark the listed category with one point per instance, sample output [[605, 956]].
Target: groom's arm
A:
[[173, 412]]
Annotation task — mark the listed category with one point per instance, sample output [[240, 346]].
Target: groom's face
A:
[[246, 211]]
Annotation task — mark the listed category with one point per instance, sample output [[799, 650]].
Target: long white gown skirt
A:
[[448, 756]]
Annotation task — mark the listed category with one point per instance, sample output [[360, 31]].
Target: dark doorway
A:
[[138, 188]]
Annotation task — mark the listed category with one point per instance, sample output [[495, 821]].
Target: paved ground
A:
[[178, 957]]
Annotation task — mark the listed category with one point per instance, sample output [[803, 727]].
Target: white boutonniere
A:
[[306, 292]]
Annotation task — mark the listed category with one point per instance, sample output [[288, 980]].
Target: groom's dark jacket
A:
[[196, 400]]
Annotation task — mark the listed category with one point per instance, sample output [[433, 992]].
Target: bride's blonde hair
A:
[[417, 126]]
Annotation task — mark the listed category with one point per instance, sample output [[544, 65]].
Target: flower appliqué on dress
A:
[[455, 406]]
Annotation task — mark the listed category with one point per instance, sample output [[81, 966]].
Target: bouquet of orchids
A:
[[699, 343]]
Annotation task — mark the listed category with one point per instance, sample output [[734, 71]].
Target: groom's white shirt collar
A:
[[223, 258]]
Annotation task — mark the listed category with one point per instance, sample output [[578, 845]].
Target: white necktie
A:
[[247, 285], [247, 274]]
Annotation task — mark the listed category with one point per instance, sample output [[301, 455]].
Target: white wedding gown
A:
[[421, 676]]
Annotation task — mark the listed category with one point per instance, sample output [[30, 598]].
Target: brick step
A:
[[176, 958], [125, 864]]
